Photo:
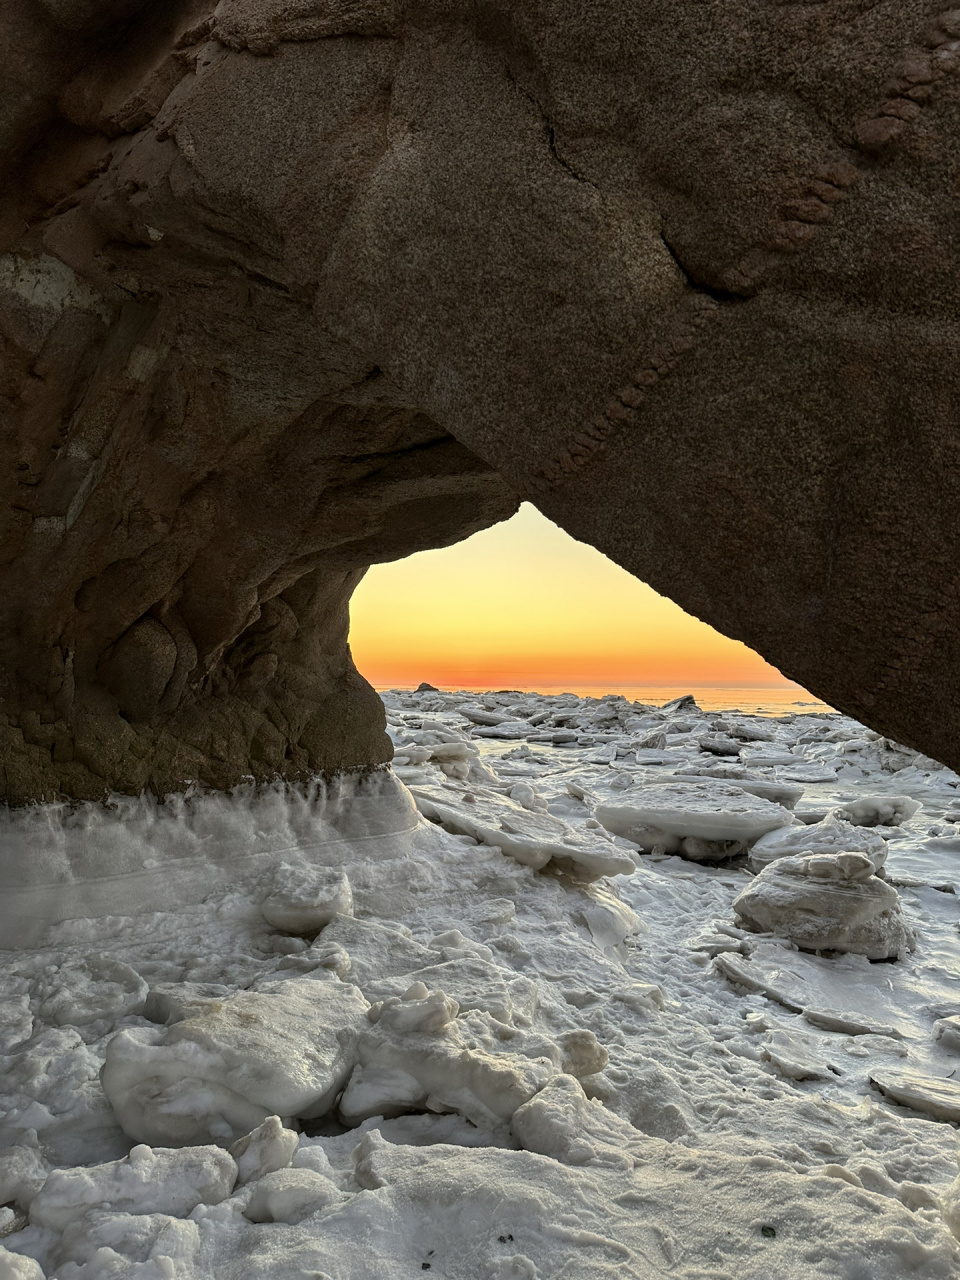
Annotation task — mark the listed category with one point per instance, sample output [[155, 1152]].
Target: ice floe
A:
[[830, 835], [705, 819]]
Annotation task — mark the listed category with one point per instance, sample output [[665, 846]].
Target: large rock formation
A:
[[293, 286]]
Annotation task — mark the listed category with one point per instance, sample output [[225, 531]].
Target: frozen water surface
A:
[[493, 1013]]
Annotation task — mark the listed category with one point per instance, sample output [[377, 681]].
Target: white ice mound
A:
[[222, 1066], [290, 1195], [145, 1181], [878, 811], [82, 991], [832, 835], [563, 1123], [417, 1056], [829, 902], [16, 1266], [303, 898], [532, 838], [702, 818]]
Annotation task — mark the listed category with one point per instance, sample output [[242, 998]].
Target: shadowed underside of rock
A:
[[293, 286]]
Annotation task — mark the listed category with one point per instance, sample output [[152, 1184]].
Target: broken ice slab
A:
[[531, 838], [751, 978], [220, 1067], [932, 1095], [706, 819], [850, 1024]]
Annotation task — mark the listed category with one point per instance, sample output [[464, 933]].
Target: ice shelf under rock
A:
[[303, 898], [829, 902], [222, 1066], [830, 835], [532, 838], [416, 1056], [704, 819]]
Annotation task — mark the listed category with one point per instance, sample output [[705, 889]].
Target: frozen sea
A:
[[583, 987]]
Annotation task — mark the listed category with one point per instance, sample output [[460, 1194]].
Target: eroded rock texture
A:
[[290, 285]]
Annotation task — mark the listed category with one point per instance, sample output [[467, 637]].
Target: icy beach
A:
[[581, 987]]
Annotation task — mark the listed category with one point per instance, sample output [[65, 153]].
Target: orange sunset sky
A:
[[523, 605]]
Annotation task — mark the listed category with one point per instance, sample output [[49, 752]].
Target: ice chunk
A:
[[794, 1056], [751, 978], [377, 950], [226, 1065], [405, 1064], [16, 1022], [302, 899], [827, 902], [719, 744], [145, 1181], [609, 920], [474, 982], [479, 715], [532, 838], [15, 1266], [947, 1032], [563, 1123], [264, 1150], [878, 811], [416, 1010], [22, 1174], [932, 1095], [700, 817], [81, 991], [582, 1054], [780, 792], [832, 835], [290, 1195]]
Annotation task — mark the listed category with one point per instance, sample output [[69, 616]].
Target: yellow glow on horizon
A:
[[524, 605]]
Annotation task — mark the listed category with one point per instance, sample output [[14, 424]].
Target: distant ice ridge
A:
[[74, 861]]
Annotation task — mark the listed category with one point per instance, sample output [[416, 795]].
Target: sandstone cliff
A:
[[293, 286]]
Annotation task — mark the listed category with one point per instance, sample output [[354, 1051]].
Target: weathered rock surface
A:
[[287, 286]]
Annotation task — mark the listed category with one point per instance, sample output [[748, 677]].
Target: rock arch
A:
[[292, 286]]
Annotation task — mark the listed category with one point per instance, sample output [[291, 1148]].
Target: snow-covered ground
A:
[[582, 988]]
